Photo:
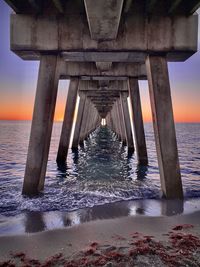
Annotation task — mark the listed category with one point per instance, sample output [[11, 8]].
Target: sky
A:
[[18, 80]]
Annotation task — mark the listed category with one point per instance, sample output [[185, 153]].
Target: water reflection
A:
[[40, 221], [141, 171], [34, 222]]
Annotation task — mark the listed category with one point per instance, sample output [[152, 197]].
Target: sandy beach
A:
[[126, 241]]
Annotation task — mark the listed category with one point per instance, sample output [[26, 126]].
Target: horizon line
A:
[[145, 121]]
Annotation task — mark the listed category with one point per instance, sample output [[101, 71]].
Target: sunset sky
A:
[[18, 80]]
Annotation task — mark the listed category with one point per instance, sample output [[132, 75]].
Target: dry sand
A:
[[127, 241]]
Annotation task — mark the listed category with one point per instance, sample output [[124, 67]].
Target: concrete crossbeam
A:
[[176, 36], [89, 69], [103, 18], [93, 86], [104, 56]]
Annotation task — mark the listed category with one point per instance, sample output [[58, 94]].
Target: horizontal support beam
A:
[[104, 56], [70, 69], [103, 18], [175, 36], [112, 87]]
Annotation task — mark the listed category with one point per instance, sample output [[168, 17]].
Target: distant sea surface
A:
[[99, 173]]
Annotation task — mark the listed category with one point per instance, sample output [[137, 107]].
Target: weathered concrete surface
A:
[[84, 121], [89, 69], [121, 121], [138, 125], [103, 18], [68, 121], [176, 36], [79, 120], [127, 123], [94, 87], [42, 123], [164, 129]]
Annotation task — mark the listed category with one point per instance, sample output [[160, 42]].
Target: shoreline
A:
[[111, 234], [35, 221]]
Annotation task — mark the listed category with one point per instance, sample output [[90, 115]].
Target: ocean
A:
[[100, 173]]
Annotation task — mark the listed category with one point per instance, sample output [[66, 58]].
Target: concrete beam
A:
[[108, 78], [104, 66], [164, 128], [192, 6], [176, 36], [14, 4], [104, 56], [36, 6], [93, 86], [71, 69], [59, 5], [103, 18], [174, 6], [42, 123], [150, 5], [68, 121]]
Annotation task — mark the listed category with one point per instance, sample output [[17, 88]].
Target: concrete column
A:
[[68, 121], [42, 123], [78, 121], [164, 130], [111, 120], [121, 121], [118, 121], [114, 120], [108, 120], [89, 120], [127, 123], [84, 120], [93, 120], [138, 125]]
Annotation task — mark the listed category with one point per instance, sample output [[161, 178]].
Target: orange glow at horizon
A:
[[24, 112], [20, 107]]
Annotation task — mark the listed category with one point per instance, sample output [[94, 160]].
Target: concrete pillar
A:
[[114, 120], [111, 121], [118, 122], [121, 121], [78, 121], [164, 130], [89, 120], [138, 125], [42, 123], [94, 117], [68, 121], [84, 120], [127, 123]]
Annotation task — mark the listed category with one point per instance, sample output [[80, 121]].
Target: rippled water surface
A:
[[99, 173]]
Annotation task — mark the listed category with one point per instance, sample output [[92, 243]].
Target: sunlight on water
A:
[[99, 173]]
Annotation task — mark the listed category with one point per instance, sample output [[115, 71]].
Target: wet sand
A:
[[111, 240]]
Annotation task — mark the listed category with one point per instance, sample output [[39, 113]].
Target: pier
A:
[[104, 48]]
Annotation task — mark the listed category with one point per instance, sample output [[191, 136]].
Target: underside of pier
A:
[[104, 48]]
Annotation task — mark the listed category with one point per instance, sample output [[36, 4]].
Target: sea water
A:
[[101, 172]]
